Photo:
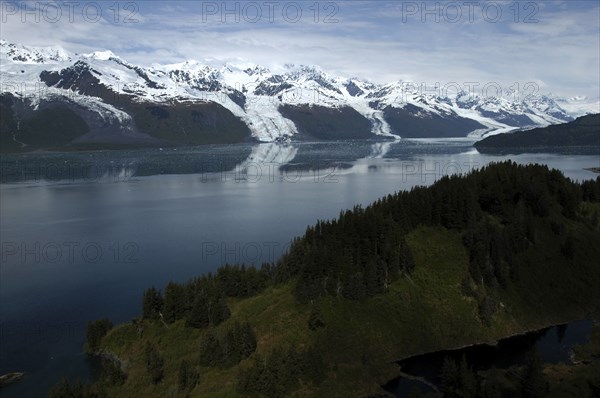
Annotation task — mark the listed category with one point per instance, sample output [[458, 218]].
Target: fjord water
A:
[[83, 234]]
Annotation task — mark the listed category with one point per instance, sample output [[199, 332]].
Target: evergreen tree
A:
[[248, 340], [174, 302], [210, 349], [450, 377], [61, 389], [315, 320], [407, 260], [281, 372], [354, 288], [230, 347], [533, 381], [458, 379], [183, 377], [112, 373], [375, 277], [64, 389], [198, 316], [151, 304], [238, 343], [155, 364], [487, 308], [252, 380], [468, 380], [218, 311], [96, 330], [187, 376]]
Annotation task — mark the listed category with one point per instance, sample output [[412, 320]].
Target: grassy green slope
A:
[[423, 312]]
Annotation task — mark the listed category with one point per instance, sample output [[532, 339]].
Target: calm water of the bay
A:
[[83, 234]]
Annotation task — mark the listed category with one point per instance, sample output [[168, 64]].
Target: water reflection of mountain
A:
[[109, 166], [118, 166], [200, 160], [340, 155]]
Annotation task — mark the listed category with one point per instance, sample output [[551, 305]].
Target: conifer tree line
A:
[[500, 210], [229, 348], [282, 371], [459, 380], [202, 301]]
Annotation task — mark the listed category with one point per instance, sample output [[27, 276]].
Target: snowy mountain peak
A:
[[188, 66], [256, 70], [19, 53], [264, 99], [101, 55]]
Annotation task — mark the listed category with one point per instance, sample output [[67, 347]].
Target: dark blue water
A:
[[83, 234], [554, 345]]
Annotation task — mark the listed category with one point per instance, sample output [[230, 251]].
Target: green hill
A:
[[582, 132], [470, 259]]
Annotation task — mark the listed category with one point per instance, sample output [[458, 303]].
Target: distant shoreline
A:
[[594, 169]]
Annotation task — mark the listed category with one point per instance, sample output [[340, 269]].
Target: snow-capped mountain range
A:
[[125, 103]]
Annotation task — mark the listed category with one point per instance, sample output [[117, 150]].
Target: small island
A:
[[583, 132], [9, 378]]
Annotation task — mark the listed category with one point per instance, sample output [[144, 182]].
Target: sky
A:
[[547, 46]]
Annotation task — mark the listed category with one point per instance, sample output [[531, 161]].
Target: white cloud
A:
[[374, 40]]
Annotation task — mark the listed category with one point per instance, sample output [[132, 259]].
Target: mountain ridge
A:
[[244, 102]]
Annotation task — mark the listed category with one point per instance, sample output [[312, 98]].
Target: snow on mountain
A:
[[255, 94], [579, 105], [101, 55], [21, 54]]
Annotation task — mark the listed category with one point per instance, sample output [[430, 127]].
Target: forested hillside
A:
[[473, 258], [582, 132]]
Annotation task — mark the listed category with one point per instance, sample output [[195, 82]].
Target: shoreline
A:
[[492, 343], [403, 375]]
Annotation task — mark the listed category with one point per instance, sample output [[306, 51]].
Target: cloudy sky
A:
[[555, 44]]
